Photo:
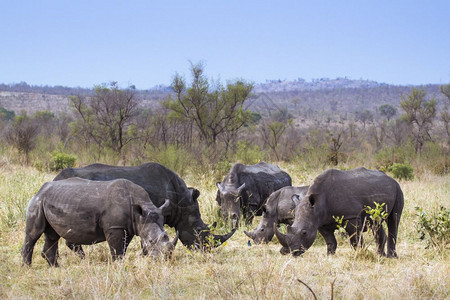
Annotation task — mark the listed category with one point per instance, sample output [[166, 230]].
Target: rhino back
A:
[[347, 192]]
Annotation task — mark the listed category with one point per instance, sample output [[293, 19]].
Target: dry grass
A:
[[233, 271]]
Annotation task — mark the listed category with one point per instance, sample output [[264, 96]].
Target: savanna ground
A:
[[234, 270]]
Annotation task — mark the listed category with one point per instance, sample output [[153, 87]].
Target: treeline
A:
[[205, 125]]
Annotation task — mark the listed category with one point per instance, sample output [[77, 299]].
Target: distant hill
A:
[[340, 95]]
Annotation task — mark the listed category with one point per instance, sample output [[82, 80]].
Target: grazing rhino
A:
[[279, 209], [336, 193], [88, 212], [160, 183], [247, 188]]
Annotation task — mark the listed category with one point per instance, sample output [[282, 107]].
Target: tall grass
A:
[[232, 271]]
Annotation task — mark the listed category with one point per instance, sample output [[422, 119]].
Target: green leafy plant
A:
[[340, 224], [377, 214], [62, 160], [402, 171], [434, 228]]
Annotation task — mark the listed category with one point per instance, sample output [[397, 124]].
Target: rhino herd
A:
[[101, 203]]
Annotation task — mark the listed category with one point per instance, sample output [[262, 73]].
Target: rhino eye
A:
[[262, 229], [303, 232]]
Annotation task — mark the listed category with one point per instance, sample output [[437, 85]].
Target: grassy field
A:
[[232, 271]]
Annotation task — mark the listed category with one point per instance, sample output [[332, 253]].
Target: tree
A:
[[445, 114], [271, 133], [22, 134], [106, 117], [388, 111], [364, 117], [214, 111], [419, 113]]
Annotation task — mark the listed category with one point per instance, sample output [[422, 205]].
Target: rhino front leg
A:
[[50, 250], [118, 241], [330, 239], [77, 249]]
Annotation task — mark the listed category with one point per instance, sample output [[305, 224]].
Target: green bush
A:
[[434, 228], [248, 154], [402, 171], [62, 160]]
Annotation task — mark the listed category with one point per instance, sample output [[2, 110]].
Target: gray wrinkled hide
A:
[[278, 209], [88, 212], [344, 193], [246, 188], [161, 184]]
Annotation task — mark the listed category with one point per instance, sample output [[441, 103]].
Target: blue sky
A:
[[84, 43]]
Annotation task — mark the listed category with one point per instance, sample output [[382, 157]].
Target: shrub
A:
[[434, 228], [402, 171], [248, 154], [62, 160]]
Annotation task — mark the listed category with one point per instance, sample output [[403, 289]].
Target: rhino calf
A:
[[336, 193], [279, 209], [88, 212]]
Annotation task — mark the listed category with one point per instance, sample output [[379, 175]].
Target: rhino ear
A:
[[137, 209], [313, 199], [296, 199], [264, 209], [195, 193]]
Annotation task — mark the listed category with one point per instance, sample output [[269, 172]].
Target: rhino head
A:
[[229, 199], [264, 232], [149, 226], [301, 235], [194, 233]]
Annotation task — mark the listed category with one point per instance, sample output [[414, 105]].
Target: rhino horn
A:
[[249, 234], [222, 238], [282, 238], [171, 246]]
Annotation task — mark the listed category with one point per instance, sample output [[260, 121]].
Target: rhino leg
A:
[[27, 248], [330, 239], [392, 223], [34, 228], [118, 241], [354, 231], [50, 250], [380, 237], [77, 249]]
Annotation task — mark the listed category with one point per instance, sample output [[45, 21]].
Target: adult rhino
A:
[[279, 209], [87, 212], [160, 183], [344, 193], [246, 188]]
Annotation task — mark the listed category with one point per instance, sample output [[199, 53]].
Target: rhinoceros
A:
[[336, 193], [279, 209], [160, 183], [88, 212], [246, 188]]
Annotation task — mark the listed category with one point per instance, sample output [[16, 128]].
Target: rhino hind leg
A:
[[27, 248], [380, 237], [354, 231], [118, 241], [330, 239], [77, 249], [392, 222], [50, 250]]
